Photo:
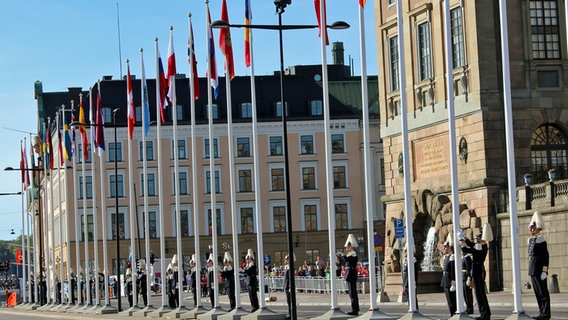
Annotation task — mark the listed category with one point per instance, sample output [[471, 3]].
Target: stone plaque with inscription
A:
[[431, 157]]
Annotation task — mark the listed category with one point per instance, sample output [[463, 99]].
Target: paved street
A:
[[432, 305]]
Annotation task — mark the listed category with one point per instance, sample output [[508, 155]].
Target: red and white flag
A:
[[130, 103]]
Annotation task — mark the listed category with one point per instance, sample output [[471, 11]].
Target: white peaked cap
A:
[[537, 220], [250, 254], [288, 257], [487, 234], [128, 271], [210, 259], [449, 240], [351, 241], [169, 268], [227, 257], [142, 263], [192, 258], [174, 260]]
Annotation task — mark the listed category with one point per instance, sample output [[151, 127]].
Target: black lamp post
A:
[[40, 236], [280, 8]]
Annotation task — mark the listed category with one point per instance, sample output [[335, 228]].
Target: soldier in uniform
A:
[[228, 274], [171, 287], [351, 273], [211, 279], [405, 275], [128, 286], [251, 280], [141, 281], [538, 266], [175, 285], [467, 263], [449, 275], [478, 253], [288, 276], [193, 279]]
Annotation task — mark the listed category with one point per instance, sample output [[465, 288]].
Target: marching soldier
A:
[[538, 266], [228, 274], [351, 273], [251, 280], [449, 275]]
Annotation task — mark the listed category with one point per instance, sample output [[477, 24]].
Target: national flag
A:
[[60, 141], [211, 60], [225, 43], [248, 20], [99, 123], [23, 168], [73, 136], [192, 62], [362, 3], [49, 146], [68, 145], [83, 130], [145, 103], [171, 75], [129, 103], [318, 15], [162, 83], [32, 163]]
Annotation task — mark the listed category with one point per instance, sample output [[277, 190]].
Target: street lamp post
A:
[[280, 8]]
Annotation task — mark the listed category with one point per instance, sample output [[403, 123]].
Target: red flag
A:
[[19, 256], [162, 83], [211, 60], [130, 103], [225, 43], [193, 62], [248, 19], [99, 122], [171, 75], [317, 6], [23, 168], [49, 145], [61, 158], [82, 121], [362, 3]]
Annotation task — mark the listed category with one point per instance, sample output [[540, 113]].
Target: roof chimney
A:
[[337, 51]]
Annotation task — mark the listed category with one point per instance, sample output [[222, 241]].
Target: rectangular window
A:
[[276, 146], [424, 52], [218, 214], [182, 154], [393, 63], [337, 143], [179, 110], [152, 224], [107, 115], [121, 229], [182, 176], [309, 178], [245, 181], [279, 109], [341, 216], [116, 184], [307, 144], [89, 186], [339, 177], [312, 254], [247, 221], [90, 230], [277, 178], [115, 152], [138, 114], [246, 110], [458, 46], [545, 29], [316, 108], [279, 219], [184, 217], [79, 153], [149, 150], [311, 217], [243, 147], [215, 112], [215, 148], [151, 184], [208, 182]]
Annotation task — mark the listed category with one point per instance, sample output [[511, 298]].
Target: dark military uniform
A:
[[538, 263], [478, 256], [351, 279], [467, 263], [448, 279], [228, 274], [211, 285], [252, 284]]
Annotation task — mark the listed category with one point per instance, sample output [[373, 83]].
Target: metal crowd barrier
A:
[[316, 284]]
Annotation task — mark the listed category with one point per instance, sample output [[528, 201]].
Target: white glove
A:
[[453, 288], [468, 281], [543, 276], [461, 235]]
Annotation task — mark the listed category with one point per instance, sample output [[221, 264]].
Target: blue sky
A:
[[73, 43]]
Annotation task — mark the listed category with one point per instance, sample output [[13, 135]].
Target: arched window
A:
[[549, 150]]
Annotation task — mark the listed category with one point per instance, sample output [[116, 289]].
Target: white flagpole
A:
[[95, 226], [368, 162], [104, 226], [132, 211], [144, 100], [160, 189], [405, 154], [511, 174], [194, 168], [33, 277], [77, 226], [60, 201], [46, 255], [85, 229], [52, 273], [453, 156], [28, 251], [67, 223], [328, 162], [212, 185], [176, 185]]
